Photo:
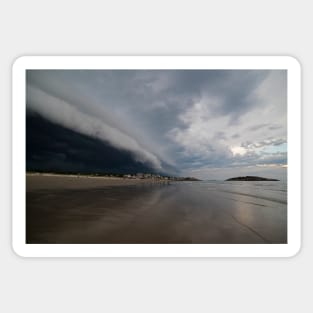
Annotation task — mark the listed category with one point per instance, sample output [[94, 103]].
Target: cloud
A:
[[190, 119], [231, 137], [273, 171], [257, 127], [65, 114], [266, 142], [52, 147]]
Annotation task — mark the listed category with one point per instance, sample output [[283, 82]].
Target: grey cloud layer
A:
[[67, 115], [189, 119]]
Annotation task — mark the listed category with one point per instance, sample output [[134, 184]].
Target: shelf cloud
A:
[[67, 115]]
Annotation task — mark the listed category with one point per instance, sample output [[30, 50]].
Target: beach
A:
[[69, 209]]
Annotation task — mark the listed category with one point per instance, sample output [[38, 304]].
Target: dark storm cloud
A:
[[184, 118], [51, 147]]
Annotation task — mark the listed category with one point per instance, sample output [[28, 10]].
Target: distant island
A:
[[251, 178]]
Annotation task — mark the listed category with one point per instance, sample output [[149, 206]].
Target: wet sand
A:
[[69, 182], [64, 209]]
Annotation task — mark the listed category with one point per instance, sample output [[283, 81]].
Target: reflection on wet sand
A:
[[149, 213]]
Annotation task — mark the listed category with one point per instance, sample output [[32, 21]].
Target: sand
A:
[[65, 209], [71, 182]]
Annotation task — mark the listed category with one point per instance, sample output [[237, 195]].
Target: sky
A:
[[209, 124]]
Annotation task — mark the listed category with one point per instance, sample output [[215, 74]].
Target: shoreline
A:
[[72, 175], [43, 181]]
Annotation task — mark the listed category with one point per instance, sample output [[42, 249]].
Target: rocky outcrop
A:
[[251, 178]]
